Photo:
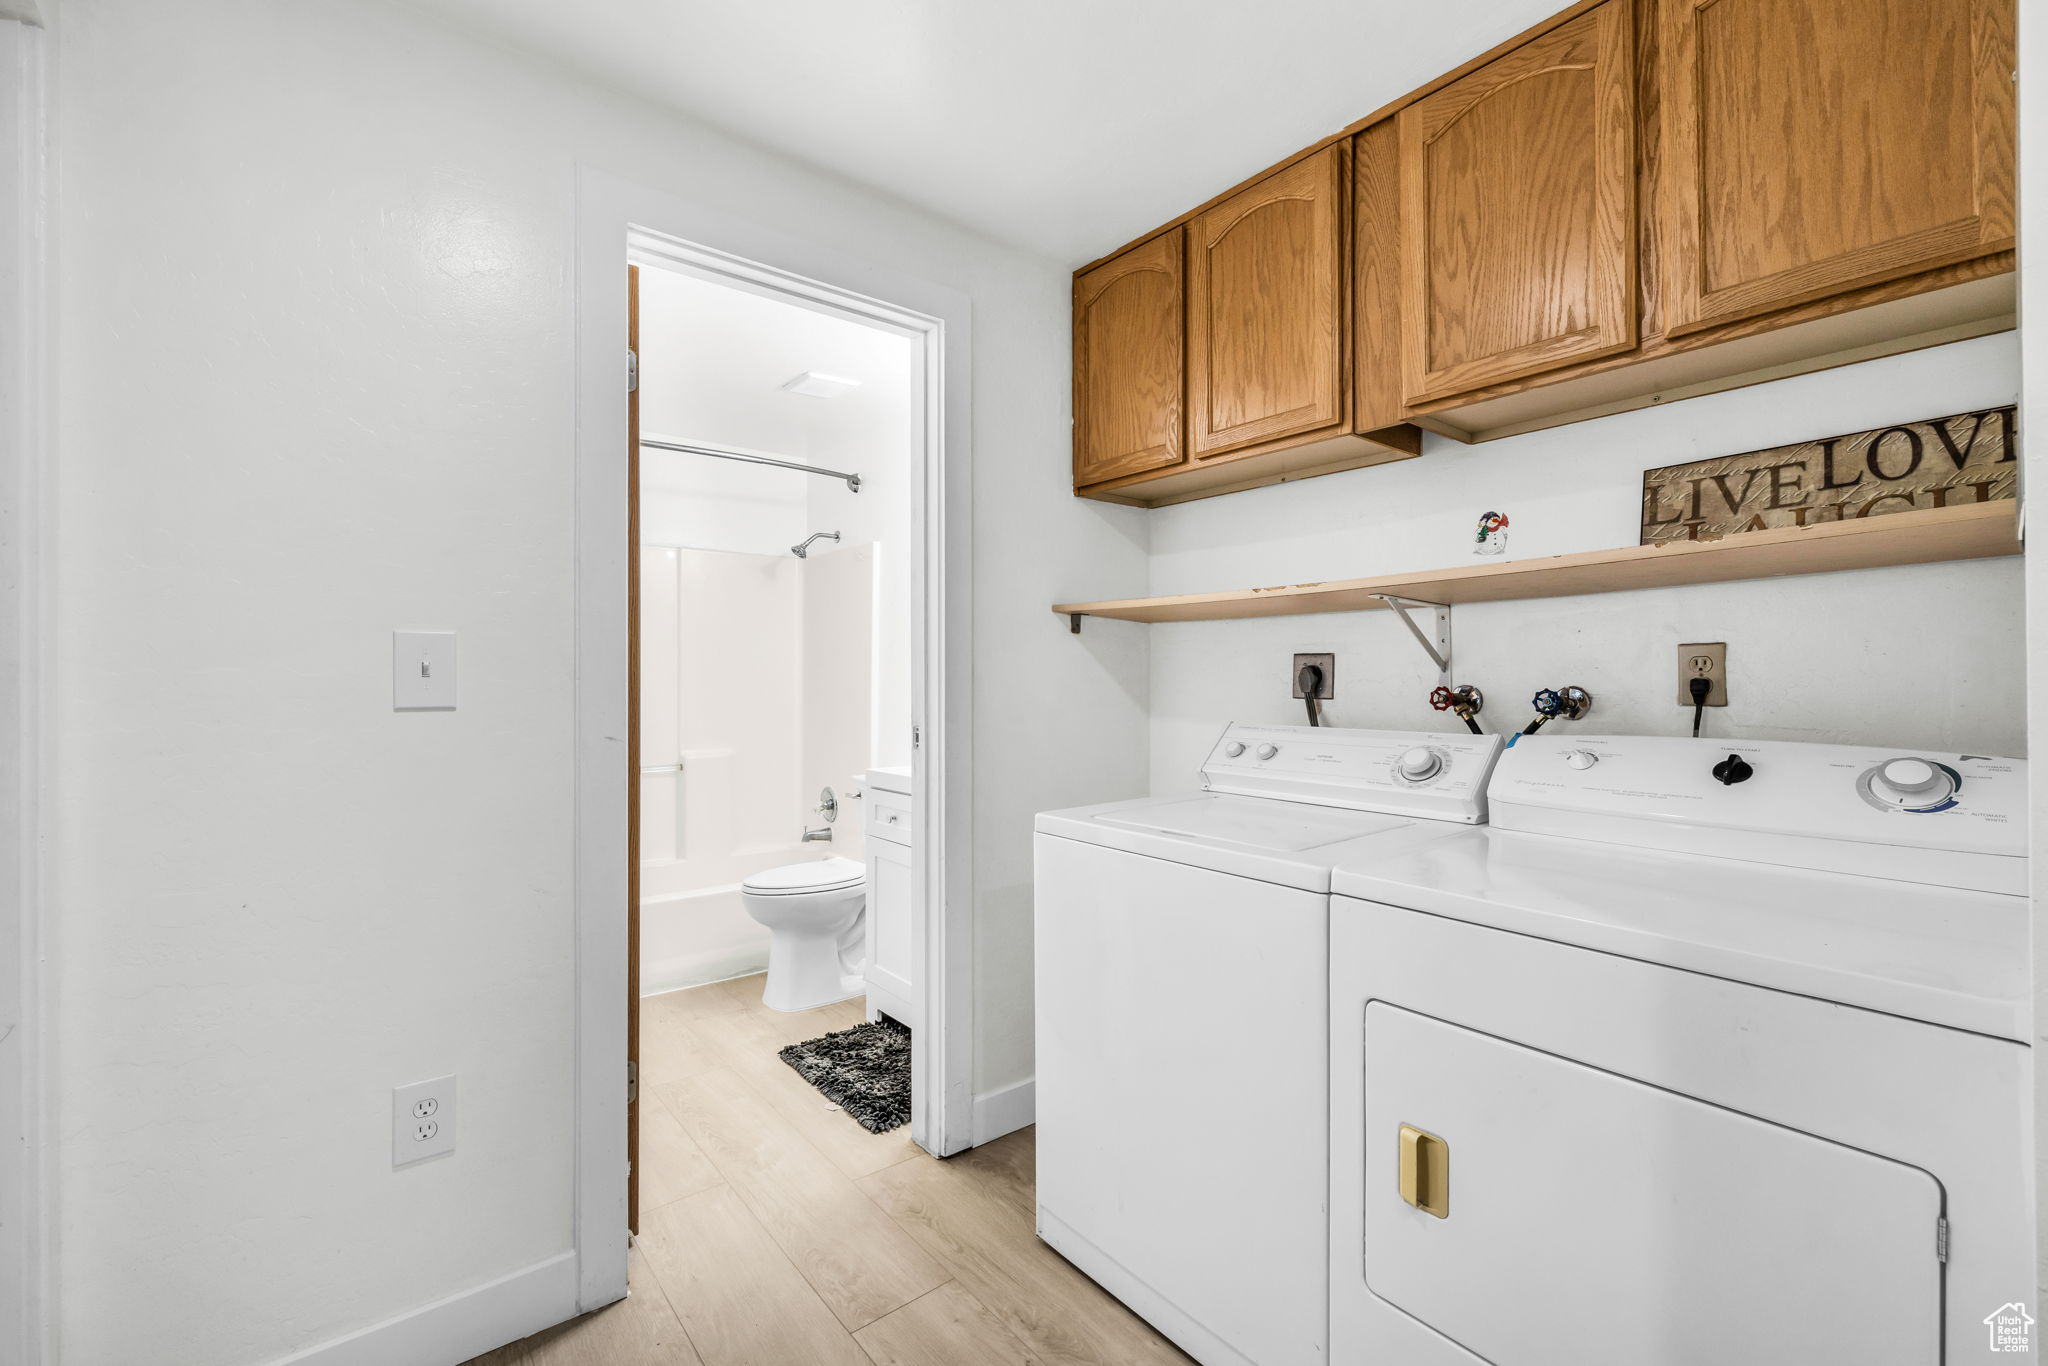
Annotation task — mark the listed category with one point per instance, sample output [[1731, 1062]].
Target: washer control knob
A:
[[1913, 784], [1580, 759], [1233, 749], [1268, 751], [1418, 764], [1910, 777], [1732, 770]]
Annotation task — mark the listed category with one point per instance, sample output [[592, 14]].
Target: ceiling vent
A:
[[820, 385]]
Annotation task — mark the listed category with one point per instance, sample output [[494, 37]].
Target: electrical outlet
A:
[[1328, 664], [422, 1121], [1703, 661]]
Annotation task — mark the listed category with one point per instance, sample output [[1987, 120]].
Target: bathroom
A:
[[774, 672]]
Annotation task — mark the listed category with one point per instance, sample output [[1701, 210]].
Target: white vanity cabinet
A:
[[892, 931]]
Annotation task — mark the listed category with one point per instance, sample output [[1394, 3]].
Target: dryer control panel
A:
[[1956, 820], [1401, 772]]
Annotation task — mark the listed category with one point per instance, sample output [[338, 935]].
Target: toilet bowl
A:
[[816, 914]]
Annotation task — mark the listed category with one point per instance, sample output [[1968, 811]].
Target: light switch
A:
[[423, 670]]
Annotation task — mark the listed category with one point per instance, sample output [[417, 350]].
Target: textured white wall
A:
[[2033, 78], [23, 380], [317, 381], [838, 671], [1921, 656]]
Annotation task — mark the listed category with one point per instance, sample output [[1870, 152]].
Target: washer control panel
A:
[[1406, 772], [1901, 813]]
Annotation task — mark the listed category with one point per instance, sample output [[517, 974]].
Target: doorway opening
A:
[[786, 651]]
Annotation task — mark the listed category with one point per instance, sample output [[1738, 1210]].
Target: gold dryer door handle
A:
[[1425, 1171]]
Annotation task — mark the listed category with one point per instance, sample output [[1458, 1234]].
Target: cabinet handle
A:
[[1425, 1171]]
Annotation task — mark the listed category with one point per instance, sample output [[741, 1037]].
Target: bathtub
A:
[[690, 938], [693, 935]]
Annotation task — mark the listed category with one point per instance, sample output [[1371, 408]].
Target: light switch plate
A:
[[422, 1121], [423, 670]]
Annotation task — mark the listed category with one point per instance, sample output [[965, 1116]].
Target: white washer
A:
[[1182, 1016], [1697, 1071]]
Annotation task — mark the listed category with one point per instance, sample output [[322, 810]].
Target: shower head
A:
[[803, 551]]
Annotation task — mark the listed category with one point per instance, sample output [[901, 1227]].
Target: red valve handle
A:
[[1442, 698]]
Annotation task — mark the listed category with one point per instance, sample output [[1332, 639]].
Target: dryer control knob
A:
[[1417, 764], [1581, 759], [1268, 751], [1233, 749]]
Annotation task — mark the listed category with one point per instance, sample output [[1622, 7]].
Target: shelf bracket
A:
[[1074, 622], [1437, 643]]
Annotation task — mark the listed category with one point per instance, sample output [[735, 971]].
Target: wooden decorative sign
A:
[[1968, 458]]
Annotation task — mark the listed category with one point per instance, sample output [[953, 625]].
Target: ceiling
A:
[[1065, 127], [713, 360]]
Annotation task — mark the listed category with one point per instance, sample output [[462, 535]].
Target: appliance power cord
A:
[[1310, 682]]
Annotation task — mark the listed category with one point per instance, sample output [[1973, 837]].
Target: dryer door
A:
[[1591, 1220]]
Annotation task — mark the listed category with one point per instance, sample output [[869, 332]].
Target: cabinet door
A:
[[892, 937], [1817, 145], [1128, 358], [1518, 222], [1269, 308]]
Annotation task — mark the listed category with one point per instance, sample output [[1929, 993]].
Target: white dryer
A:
[[1696, 1055], [1182, 1021]]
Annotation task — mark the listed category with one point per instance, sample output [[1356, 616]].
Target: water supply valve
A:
[[1571, 703], [1464, 699]]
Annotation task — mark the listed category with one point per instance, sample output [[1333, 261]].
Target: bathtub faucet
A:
[[823, 832]]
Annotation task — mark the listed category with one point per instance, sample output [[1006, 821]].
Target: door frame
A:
[[618, 222], [25, 374]]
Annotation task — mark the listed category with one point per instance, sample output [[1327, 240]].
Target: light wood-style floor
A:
[[775, 1231]]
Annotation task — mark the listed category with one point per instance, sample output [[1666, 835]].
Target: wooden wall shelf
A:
[[1970, 532]]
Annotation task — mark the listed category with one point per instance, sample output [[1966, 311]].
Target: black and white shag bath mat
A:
[[864, 1070]]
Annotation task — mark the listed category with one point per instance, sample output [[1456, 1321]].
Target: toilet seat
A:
[[791, 879]]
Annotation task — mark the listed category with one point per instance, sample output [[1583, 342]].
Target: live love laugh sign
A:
[[1968, 458]]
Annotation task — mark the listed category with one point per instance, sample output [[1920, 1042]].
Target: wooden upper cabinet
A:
[[1128, 363], [1817, 145], [1269, 308], [1518, 222]]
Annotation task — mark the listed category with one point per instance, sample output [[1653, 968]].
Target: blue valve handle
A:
[[1548, 702]]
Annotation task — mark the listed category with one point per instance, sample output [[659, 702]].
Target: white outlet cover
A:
[[423, 670], [422, 1121]]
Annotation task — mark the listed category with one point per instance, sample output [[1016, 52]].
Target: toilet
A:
[[817, 915]]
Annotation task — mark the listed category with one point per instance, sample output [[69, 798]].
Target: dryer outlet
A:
[[1325, 690]]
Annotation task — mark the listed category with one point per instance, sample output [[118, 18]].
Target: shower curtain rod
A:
[[852, 480]]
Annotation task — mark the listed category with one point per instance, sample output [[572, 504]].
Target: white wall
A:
[[871, 432], [1923, 656], [316, 381], [2033, 80], [22, 408], [839, 669]]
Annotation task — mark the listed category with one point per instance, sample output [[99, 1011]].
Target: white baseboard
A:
[[1004, 1111], [448, 1332]]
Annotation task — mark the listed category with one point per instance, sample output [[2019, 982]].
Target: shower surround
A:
[[755, 692]]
